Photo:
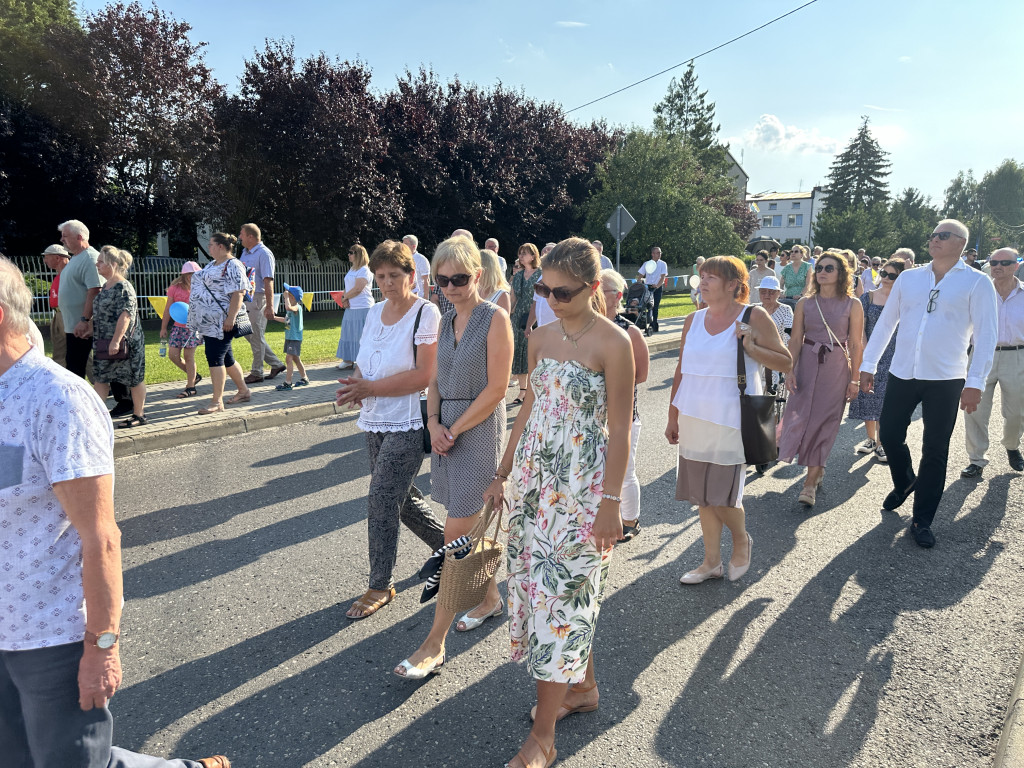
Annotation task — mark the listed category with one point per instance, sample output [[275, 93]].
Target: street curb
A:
[[163, 439], [1010, 752]]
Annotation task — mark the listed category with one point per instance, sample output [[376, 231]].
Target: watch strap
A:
[[93, 639]]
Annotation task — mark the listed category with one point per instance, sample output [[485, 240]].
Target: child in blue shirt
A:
[[292, 338]]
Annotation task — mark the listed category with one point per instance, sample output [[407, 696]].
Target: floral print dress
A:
[[556, 573]]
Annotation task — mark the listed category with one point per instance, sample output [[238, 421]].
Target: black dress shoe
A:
[[895, 499], [122, 408], [1016, 460], [922, 535], [972, 472]]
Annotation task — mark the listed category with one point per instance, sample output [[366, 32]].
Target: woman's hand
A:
[[852, 390], [495, 492], [353, 391], [791, 382], [441, 438], [228, 325], [672, 432], [114, 347], [608, 525], [746, 334]]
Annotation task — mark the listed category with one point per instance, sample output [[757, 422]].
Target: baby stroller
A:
[[640, 307]]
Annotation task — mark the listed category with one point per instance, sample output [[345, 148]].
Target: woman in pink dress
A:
[[826, 344]]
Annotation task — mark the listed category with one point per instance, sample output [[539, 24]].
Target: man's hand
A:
[[867, 383], [83, 329], [969, 399], [268, 311], [99, 676]]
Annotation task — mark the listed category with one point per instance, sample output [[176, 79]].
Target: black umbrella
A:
[[762, 243]]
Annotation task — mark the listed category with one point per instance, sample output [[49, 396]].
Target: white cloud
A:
[[772, 134], [571, 24], [889, 135], [884, 109], [903, 59]]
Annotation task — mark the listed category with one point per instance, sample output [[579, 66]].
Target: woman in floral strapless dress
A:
[[565, 464]]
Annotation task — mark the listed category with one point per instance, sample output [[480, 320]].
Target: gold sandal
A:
[[549, 757], [565, 711], [369, 605]]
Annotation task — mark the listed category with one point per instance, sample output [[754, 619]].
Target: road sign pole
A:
[[618, 239]]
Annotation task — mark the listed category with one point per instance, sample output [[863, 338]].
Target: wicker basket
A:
[[464, 581]]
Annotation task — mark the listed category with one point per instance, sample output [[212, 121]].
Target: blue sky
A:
[[936, 77]]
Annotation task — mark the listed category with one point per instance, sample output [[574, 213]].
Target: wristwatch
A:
[[104, 640], [85, 319]]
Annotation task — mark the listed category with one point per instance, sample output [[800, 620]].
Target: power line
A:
[[699, 55]]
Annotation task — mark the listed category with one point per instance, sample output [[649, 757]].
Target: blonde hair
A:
[[613, 279], [577, 258], [118, 259], [184, 280], [360, 257], [729, 268], [460, 250], [491, 278], [844, 280], [253, 230]]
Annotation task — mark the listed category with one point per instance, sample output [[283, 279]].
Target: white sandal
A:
[[411, 672], [470, 622]]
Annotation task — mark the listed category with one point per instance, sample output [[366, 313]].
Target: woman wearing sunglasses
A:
[[868, 405], [826, 344], [466, 419], [565, 463]]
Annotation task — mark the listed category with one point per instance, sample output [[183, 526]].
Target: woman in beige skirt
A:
[[704, 415]]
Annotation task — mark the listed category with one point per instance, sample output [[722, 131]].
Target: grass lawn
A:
[[319, 342]]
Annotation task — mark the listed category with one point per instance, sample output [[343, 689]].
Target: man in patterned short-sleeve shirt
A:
[[59, 550]]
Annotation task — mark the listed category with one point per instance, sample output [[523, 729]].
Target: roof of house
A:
[[780, 196]]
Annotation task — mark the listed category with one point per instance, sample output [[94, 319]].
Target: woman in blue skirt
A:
[[357, 301]]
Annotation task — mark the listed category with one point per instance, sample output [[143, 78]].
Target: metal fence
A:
[[151, 275]]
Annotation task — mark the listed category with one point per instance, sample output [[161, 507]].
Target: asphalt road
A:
[[845, 644]]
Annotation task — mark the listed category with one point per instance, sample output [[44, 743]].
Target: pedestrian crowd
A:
[[428, 369]]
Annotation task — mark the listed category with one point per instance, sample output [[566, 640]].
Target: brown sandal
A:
[[369, 605], [549, 757], [565, 711]]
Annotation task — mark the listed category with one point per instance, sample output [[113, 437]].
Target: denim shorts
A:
[[293, 347]]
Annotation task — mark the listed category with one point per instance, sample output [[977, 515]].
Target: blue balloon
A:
[[179, 312]]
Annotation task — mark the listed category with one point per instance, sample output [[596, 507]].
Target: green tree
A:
[[676, 205], [880, 228], [1003, 191], [858, 173], [32, 18], [686, 112], [912, 218]]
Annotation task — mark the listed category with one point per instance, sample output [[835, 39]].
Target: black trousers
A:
[[940, 401], [77, 359], [657, 305]]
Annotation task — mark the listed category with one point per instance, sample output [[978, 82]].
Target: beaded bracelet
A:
[[611, 497]]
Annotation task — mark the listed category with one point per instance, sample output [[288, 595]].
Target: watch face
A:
[[106, 640]]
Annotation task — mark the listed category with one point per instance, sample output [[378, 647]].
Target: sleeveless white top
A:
[[708, 397]]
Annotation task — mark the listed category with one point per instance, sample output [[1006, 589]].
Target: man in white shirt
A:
[[422, 285], [655, 277], [492, 245], [937, 308], [59, 548], [606, 263], [1007, 371]]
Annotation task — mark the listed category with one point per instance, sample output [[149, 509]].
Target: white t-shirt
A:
[[422, 270], [363, 299], [503, 265], [606, 263], [385, 350], [660, 269], [542, 311], [56, 428]]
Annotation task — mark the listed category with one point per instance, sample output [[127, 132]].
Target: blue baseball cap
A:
[[294, 290]]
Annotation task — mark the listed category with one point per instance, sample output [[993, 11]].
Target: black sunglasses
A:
[[1003, 263], [933, 297], [890, 275], [825, 268], [562, 295], [944, 236], [459, 281]]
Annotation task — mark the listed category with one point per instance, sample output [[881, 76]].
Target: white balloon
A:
[[650, 266], [694, 281]]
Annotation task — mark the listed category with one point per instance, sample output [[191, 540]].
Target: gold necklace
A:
[[573, 337]]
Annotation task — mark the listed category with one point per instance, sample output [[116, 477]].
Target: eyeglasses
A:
[[1003, 263], [865, 263], [830, 268], [944, 236], [562, 295], [460, 280], [890, 275], [933, 296]]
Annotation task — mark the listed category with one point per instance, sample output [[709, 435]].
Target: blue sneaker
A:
[[283, 387], [301, 382]]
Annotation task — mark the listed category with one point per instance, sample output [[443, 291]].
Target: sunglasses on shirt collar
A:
[[562, 295]]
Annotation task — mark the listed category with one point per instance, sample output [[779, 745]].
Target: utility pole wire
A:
[[699, 55]]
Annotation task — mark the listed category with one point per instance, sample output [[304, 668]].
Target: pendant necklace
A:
[[572, 337]]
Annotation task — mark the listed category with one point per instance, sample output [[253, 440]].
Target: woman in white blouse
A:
[[397, 355], [357, 300]]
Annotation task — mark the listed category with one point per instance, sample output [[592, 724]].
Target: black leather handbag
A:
[[423, 395], [757, 414]]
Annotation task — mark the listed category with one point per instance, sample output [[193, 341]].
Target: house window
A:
[[766, 222], [796, 205], [776, 221], [796, 219], [773, 206]]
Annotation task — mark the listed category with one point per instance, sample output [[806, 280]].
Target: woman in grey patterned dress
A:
[[466, 419], [115, 317]]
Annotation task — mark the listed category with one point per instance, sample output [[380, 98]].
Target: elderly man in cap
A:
[[59, 548], [56, 257], [1007, 371], [938, 308]]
